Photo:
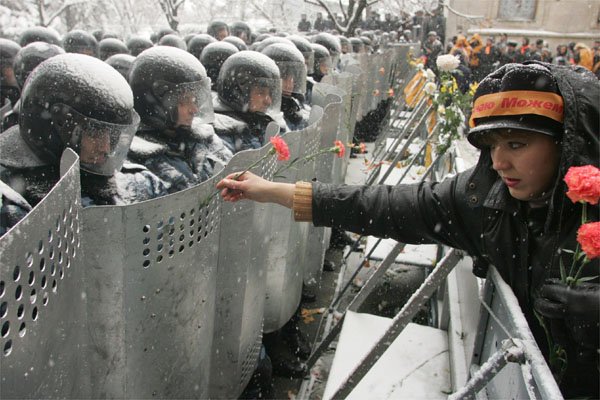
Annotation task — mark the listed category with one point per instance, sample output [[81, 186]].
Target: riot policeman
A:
[[78, 41], [137, 44], [212, 58], [198, 43], [39, 34], [218, 29], [122, 63], [76, 101], [111, 46], [249, 98], [172, 95], [9, 89]]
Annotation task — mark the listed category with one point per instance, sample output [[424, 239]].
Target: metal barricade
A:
[[42, 298], [151, 283]]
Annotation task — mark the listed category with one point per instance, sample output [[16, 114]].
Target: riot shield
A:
[[42, 298], [240, 283], [151, 294]]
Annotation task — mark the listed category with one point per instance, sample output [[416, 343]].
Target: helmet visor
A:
[[293, 77], [309, 58], [323, 65], [102, 146], [264, 95], [189, 101]]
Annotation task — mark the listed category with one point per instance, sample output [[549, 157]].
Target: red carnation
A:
[[340, 150], [281, 148], [583, 184], [588, 236]]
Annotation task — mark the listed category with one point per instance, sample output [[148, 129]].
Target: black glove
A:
[[578, 307]]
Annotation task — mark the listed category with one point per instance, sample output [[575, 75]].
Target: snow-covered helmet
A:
[[198, 43], [292, 69], [77, 101], [305, 48], [323, 63], [31, 56], [111, 46], [137, 44], [213, 56], [164, 77], [9, 87], [122, 63], [331, 43], [244, 72], [39, 34], [218, 30], [242, 30], [79, 41], [173, 41], [271, 40], [357, 45], [237, 42]]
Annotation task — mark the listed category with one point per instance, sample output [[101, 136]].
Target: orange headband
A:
[[518, 102]]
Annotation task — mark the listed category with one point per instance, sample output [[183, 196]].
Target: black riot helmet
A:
[[122, 63], [305, 48], [344, 44], [198, 43], [261, 37], [9, 88], [39, 34], [213, 56], [77, 101], [291, 66], [164, 32], [271, 40], [173, 41], [97, 34], [218, 29], [357, 45], [165, 79], [111, 46], [237, 42], [137, 44], [323, 62], [241, 30], [31, 56], [78, 41], [247, 75], [331, 43]]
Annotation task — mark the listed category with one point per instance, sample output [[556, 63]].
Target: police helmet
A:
[[292, 69], [31, 56], [77, 101], [237, 42], [213, 56], [323, 62], [357, 45], [331, 43], [242, 30], [173, 41], [198, 43], [218, 30], [270, 40], [79, 41], [111, 46], [246, 74], [305, 48], [39, 34], [9, 88], [122, 63], [137, 44], [164, 32], [164, 78]]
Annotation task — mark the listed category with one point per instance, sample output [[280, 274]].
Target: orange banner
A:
[[518, 102]]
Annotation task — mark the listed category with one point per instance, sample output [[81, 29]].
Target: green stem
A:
[[574, 262]]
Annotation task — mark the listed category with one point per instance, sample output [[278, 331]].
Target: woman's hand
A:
[[252, 187]]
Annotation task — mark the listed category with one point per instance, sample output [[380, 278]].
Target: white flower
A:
[[441, 110], [447, 62], [420, 67], [430, 88], [429, 75]]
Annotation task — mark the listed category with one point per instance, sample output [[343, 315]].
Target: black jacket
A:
[[474, 211]]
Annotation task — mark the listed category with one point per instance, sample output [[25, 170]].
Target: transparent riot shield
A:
[[151, 280], [241, 282], [42, 298]]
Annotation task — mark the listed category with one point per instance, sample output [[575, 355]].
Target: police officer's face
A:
[[94, 149], [287, 85], [527, 162], [187, 109], [324, 67], [260, 99], [222, 33]]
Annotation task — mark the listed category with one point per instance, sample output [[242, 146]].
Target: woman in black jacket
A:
[[532, 122]]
